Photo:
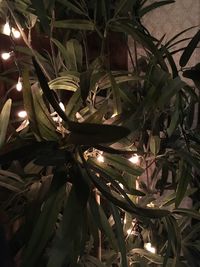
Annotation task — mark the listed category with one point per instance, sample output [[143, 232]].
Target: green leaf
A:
[[120, 235], [73, 105], [169, 43], [67, 82], [62, 50], [116, 95], [29, 105], [91, 134], [85, 84], [155, 144], [102, 221], [189, 49], [112, 175], [124, 164], [120, 6], [48, 92], [74, 55], [72, 6], [98, 115], [4, 121], [188, 212], [140, 37], [184, 176], [46, 222], [174, 119], [78, 24], [71, 237], [148, 255], [169, 90], [42, 15]]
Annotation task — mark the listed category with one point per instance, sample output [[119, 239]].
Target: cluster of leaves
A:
[[66, 207]]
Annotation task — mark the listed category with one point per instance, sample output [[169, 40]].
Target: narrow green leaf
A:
[[189, 49], [124, 164], [71, 238], [154, 144], [74, 55], [75, 24], [72, 6], [62, 50], [102, 221], [116, 95], [4, 121], [90, 133], [148, 255], [42, 15], [73, 105], [120, 235], [184, 175], [47, 91], [44, 227], [98, 115], [188, 212]]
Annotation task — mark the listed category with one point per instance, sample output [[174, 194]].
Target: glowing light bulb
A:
[[149, 248], [114, 115], [135, 159], [16, 33], [19, 85], [121, 185], [62, 106], [100, 158], [6, 29], [150, 205], [129, 231], [5, 55], [22, 114]]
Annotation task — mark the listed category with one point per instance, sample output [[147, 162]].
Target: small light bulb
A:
[[121, 185], [150, 205], [22, 114], [135, 159], [16, 33], [129, 231], [114, 115], [5, 55], [19, 86], [149, 248], [6, 29], [100, 158], [62, 106]]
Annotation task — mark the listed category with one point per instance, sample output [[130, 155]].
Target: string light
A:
[[100, 158], [151, 205], [62, 106], [19, 85], [7, 31], [5, 55], [129, 231], [149, 248], [16, 33], [114, 115], [135, 159], [121, 185], [22, 114]]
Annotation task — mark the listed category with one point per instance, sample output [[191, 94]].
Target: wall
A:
[[172, 19]]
